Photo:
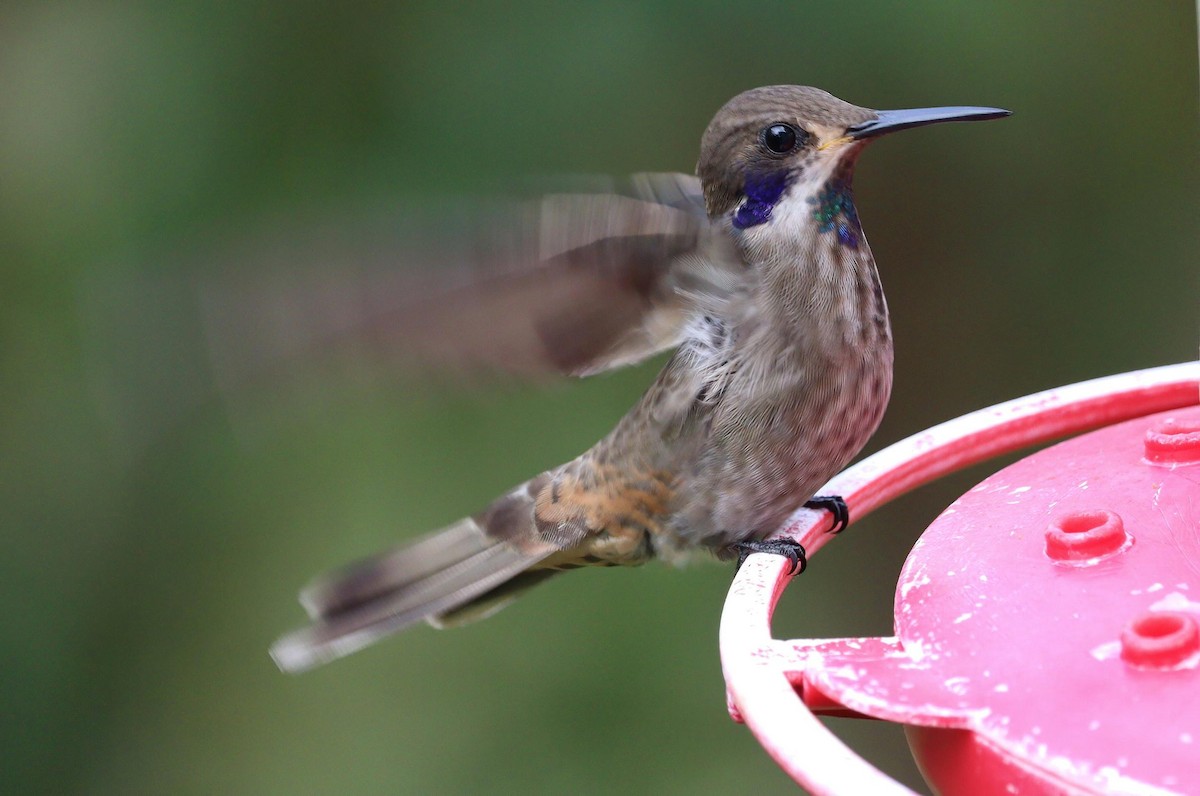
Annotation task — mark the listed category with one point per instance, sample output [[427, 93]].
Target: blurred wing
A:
[[574, 283]]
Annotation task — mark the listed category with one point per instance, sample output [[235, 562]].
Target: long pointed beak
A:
[[891, 121]]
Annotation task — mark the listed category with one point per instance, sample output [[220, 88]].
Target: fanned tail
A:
[[465, 571]]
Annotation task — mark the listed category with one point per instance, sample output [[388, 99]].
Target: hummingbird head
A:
[[796, 143]]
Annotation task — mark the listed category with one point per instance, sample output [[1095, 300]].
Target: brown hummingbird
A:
[[755, 271]]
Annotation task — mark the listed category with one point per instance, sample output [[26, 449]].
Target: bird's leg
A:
[[790, 549], [835, 505]]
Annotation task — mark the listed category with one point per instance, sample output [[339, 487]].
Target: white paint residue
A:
[[1154, 587], [1116, 782], [983, 578], [1185, 737], [1107, 651], [914, 652], [914, 583], [963, 617], [958, 685], [1016, 492], [1002, 688], [846, 672], [1176, 602], [1082, 484]]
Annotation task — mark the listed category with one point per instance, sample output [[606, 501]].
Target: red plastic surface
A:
[[1082, 667], [1013, 648]]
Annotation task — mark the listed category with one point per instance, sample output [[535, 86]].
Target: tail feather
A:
[[466, 571], [491, 601], [359, 583], [381, 611]]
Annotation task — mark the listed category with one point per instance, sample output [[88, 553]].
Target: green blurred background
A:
[[146, 571]]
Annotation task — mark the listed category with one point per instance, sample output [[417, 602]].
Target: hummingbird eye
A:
[[781, 138]]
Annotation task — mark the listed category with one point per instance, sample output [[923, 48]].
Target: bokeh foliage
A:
[[145, 573]]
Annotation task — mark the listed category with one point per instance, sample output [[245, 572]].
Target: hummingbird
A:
[[755, 271]]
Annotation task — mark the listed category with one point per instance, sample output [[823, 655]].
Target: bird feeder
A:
[[1047, 624]]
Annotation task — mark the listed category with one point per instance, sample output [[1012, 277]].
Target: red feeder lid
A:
[[1047, 633], [1052, 611]]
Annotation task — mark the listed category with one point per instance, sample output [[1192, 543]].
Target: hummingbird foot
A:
[[835, 505], [790, 549]]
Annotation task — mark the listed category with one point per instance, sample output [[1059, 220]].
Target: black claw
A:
[[835, 505], [790, 549]]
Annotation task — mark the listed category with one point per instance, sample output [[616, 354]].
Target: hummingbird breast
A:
[[778, 440], [768, 397], [806, 373]]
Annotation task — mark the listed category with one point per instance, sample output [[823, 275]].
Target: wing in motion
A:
[[572, 284]]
